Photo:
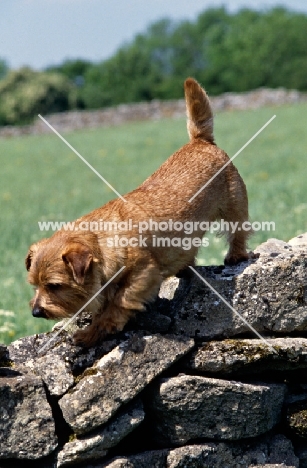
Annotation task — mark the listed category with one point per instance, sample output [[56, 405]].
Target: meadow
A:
[[42, 179]]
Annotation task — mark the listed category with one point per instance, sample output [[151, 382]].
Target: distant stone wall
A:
[[183, 386], [154, 110]]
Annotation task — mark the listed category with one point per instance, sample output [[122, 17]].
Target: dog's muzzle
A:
[[38, 312]]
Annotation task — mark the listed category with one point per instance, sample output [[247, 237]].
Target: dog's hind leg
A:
[[236, 215]]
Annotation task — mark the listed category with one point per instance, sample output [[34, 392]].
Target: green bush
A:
[[75, 70], [24, 93]]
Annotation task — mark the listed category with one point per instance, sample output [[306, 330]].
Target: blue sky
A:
[[39, 33]]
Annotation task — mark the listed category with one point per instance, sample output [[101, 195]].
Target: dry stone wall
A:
[[154, 110], [185, 385]]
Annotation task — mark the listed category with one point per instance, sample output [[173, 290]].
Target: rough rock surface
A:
[[276, 451], [22, 352], [154, 459], [95, 445], [103, 390], [187, 407], [24, 411], [297, 417], [151, 396], [49, 368], [251, 357], [269, 292]]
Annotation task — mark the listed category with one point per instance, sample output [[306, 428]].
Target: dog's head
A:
[[65, 273]]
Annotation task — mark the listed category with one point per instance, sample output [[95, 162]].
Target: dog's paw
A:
[[231, 260], [86, 337]]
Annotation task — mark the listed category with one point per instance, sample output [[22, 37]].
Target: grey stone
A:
[[151, 459], [297, 418], [276, 451], [95, 445], [23, 351], [96, 386], [270, 293], [270, 465], [250, 356], [279, 450], [188, 407], [169, 288], [54, 371], [193, 456], [27, 428], [118, 377], [222, 455], [299, 241]]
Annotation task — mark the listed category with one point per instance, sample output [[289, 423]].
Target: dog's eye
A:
[[53, 286]]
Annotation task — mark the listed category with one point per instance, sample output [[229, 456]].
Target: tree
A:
[[261, 49], [3, 68], [73, 69], [129, 76], [25, 93]]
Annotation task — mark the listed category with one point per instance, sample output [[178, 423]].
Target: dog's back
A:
[[193, 185], [167, 191]]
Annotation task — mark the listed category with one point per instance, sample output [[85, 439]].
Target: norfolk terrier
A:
[[70, 267]]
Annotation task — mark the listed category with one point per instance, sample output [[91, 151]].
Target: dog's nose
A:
[[38, 312]]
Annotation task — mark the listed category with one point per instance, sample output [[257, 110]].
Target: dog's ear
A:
[[31, 252], [28, 259], [78, 258]]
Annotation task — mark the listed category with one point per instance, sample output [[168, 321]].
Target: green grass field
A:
[[42, 179]]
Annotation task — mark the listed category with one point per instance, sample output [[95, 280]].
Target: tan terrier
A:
[[70, 267]]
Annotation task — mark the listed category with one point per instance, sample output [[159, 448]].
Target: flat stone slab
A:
[[27, 429], [150, 459], [221, 455], [274, 452], [94, 446], [270, 293], [68, 358], [250, 357], [118, 377], [189, 407]]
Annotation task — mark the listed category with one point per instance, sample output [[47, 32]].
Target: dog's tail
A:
[[199, 113]]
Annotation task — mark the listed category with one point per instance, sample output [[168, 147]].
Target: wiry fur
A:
[[199, 113], [81, 262]]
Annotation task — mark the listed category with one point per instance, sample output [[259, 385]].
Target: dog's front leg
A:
[[137, 287]]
